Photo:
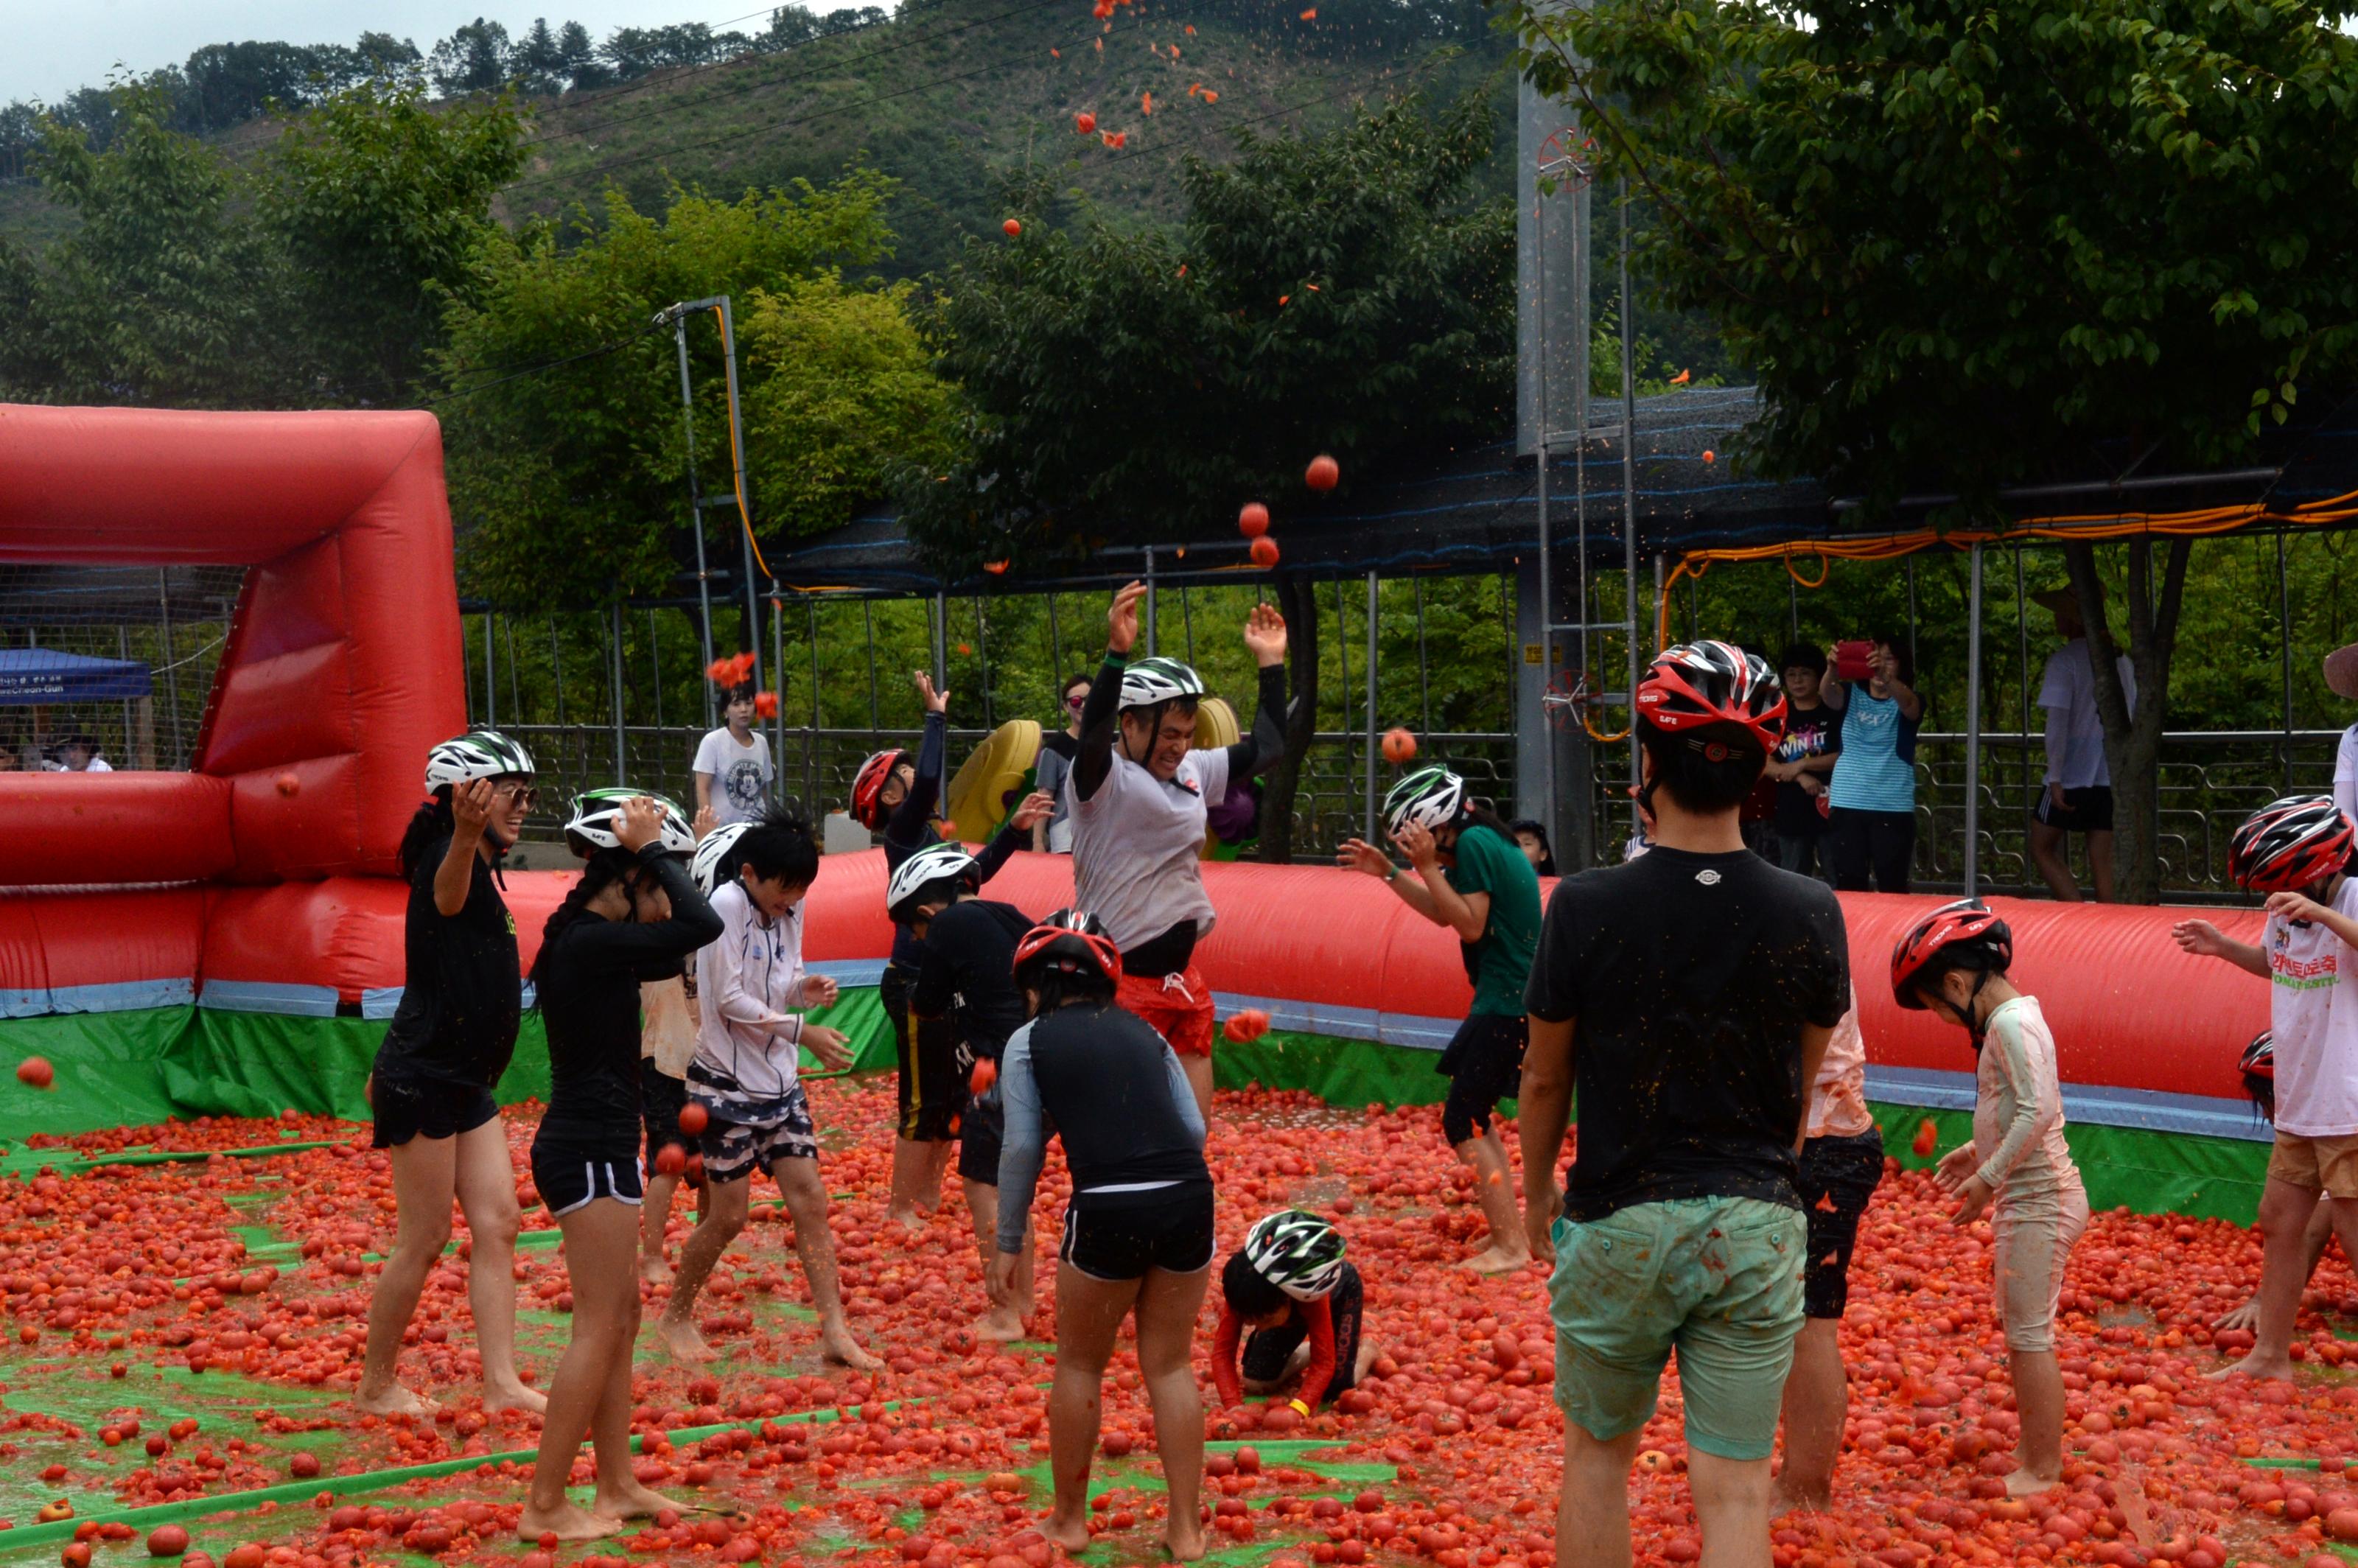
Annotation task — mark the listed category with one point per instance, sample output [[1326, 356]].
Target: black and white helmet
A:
[[597, 813], [1298, 1252], [1431, 798], [934, 863], [1150, 683], [477, 754], [705, 864]]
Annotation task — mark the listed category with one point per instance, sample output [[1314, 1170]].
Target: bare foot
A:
[[2023, 1484], [684, 1340], [909, 1218], [653, 1269], [514, 1397], [393, 1400], [565, 1522], [836, 1345], [1183, 1539], [1782, 1502], [631, 1500], [1497, 1259], [1072, 1534], [2253, 1367], [999, 1325]]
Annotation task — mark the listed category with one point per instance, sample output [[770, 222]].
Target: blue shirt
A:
[[1876, 771]]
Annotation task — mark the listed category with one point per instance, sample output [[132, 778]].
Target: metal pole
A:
[[982, 657], [1539, 493], [1370, 832], [696, 516], [1423, 674], [778, 673], [1056, 647], [490, 686], [555, 667], [1914, 665], [123, 651], [621, 767], [1974, 731], [2284, 643], [1629, 480], [1151, 649], [1187, 620], [654, 664], [2022, 671], [1660, 630], [171, 663], [515, 669], [868, 615], [810, 757], [737, 475], [941, 622]]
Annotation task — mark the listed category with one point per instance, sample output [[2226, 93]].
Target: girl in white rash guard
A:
[[1138, 796]]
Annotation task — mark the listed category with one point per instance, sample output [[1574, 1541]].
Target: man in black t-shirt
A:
[[962, 1008], [1687, 997]]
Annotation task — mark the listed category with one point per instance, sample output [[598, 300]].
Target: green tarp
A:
[[120, 1069]]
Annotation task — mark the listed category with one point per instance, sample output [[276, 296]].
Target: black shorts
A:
[[981, 1131], [2088, 810], [1484, 1064], [1266, 1350], [1174, 1235], [570, 1176], [427, 1107], [935, 1087], [1838, 1175], [661, 1099]]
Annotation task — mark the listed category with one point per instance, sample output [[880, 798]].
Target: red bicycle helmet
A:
[[1698, 684], [1960, 935], [2259, 1059], [1070, 939], [868, 787], [2289, 844]]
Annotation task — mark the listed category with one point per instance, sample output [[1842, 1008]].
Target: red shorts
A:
[[1178, 1006]]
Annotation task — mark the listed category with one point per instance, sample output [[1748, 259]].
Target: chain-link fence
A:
[[109, 667]]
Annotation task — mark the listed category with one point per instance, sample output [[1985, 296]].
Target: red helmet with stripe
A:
[[1963, 935], [2259, 1059], [2289, 844], [868, 787], [1070, 939], [1696, 685]]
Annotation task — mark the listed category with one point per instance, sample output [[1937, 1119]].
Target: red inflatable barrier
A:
[[343, 934], [93, 828], [98, 951]]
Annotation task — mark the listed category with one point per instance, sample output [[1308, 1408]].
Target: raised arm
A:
[[1264, 747], [1093, 756], [470, 808], [912, 822]]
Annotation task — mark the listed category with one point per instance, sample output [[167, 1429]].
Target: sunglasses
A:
[[524, 795]]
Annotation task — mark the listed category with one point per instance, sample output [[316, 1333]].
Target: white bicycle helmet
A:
[[1298, 1252], [1150, 683], [597, 812], [1431, 798], [705, 864], [934, 863], [477, 754]]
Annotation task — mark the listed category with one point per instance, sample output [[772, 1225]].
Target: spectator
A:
[[79, 753], [733, 765], [1054, 835], [2078, 793], [1801, 766], [2342, 679], [1531, 837], [1873, 791], [1688, 997]]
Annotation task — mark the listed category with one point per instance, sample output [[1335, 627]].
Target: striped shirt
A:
[[1877, 770], [748, 995]]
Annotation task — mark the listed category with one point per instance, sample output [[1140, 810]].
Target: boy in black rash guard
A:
[[966, 992], [896, 796], [1138, 1232], [633, 917], [451, 1039], [1140, 796]]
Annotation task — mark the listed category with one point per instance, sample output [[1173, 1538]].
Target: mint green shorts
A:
[[1718, 1279]]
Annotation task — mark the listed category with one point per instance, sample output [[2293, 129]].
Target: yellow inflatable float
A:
[[995, 771]]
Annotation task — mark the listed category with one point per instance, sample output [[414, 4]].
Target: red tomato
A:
[[1323, 474], [1400, 746], [1264, 551], [1253, 521]]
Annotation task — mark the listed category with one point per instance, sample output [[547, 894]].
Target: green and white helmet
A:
[[1299, 1253], [1150, 683], [598, 812], [1431, 798], [477, 754], [934, 863], [705, 864]]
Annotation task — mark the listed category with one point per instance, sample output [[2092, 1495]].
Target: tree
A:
[[1331, 293], [1965, 244], [538, 61], [227, 85], [571, 484], [475, 59]]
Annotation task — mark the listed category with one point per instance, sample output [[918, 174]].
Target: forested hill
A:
[[952, 98]]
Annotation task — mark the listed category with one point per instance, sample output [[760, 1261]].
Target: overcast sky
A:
[[53, 48]]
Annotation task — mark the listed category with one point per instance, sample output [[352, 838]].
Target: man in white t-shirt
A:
[[2342, 679], [733, 766], [2078, 793]]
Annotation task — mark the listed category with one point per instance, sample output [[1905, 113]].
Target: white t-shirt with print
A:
[[2070, 686], [1138, 846], [2345, 773], [741, 775], [1838, 1100], [2313, 1013]]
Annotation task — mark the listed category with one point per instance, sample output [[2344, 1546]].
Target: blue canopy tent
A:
[[41, 676]]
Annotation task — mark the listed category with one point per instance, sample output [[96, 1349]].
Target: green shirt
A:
[[1500, 965]]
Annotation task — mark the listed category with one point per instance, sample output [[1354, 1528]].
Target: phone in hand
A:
[[1852, 659]]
